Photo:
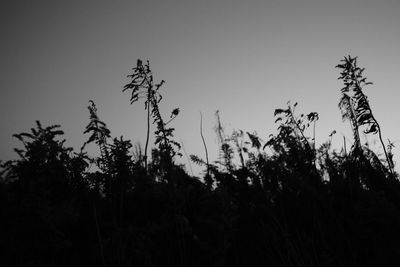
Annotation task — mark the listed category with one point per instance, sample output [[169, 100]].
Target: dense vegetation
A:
[[284, 202]]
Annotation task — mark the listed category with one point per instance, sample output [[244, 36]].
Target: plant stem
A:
[[354, 124], [299, 128], [187, 158], [204, 143], [383, 146], [148, 128], [315, 151]]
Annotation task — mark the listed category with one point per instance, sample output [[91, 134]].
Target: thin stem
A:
[[315, 150], [187, 157], [314, 135], [169, 120], [383, 146], [149, 94], [204, 143], [148, 128]]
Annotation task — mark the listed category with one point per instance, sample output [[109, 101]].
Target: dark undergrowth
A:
[[284, 202]]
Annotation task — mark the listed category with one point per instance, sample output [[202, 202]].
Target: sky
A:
[[243, 58]]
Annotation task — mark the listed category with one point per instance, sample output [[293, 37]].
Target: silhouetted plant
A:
[[346, 107], [41, 151], [142, 86], [226, 152], [207, 178], [47, 179], [99, 134], [356, 107], [255, 207], [291, 147], [289, 123], [255, 140]]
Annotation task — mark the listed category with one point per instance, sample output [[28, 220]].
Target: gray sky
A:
[[245, 58]]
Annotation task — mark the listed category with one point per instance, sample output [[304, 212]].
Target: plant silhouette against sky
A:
[[283, 202], [354, 103]]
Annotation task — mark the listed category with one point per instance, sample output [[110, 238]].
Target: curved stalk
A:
[[204, 143], [383, 146]]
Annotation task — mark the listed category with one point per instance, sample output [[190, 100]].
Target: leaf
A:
[[91, 139], [280, 111], [255, 142], [371, 129], [20, 152], [270, 142], [364, 118], [59, 132], [197, 160], [19, 137]]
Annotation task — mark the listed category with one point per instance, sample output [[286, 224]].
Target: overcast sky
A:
[[244, 58]]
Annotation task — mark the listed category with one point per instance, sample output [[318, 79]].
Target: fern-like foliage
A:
[[356, 104], [43, 156], [252, 207], [143, 86], [354, 82], [289, 124], [41, 145], [98, 133]]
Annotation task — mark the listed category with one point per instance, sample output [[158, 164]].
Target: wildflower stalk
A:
[[356, 107]]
